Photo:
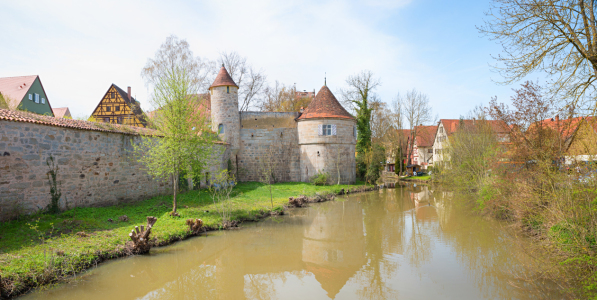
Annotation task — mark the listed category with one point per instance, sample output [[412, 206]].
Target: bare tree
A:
[[175, 53], [558, 37], [251, 82], [280, 97], [397, 134], [416, 112]]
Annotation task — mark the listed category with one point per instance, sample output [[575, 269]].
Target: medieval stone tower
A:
[[225, 118], [320, 139], [327, 139]]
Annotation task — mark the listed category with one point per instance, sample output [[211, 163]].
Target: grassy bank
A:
[[424, 178], [40, 249]]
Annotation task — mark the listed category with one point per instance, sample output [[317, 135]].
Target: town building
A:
[[24, 93], [300, 145], [119, 107], [422, 147], [447, 127], [62, 112]]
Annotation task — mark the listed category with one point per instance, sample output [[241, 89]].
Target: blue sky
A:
[[79, 48]]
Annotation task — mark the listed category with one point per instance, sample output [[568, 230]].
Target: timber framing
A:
[[116, 108]]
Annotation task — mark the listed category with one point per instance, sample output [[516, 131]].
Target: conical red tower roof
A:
[[223, 79], [325, 105]]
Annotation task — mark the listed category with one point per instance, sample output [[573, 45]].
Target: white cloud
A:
[[80, 48]]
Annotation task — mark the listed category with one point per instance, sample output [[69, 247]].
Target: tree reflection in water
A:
[[409, 242]]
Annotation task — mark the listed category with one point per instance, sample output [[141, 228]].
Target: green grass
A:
[[424, 177], [29, 246]]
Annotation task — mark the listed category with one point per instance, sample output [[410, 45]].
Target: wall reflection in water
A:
[[410, 242]]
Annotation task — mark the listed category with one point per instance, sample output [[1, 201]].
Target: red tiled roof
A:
[[425, 135], [452, 125], [61, 112], [325, 105], [20, 116], [223, 79], [567, 127], [14, 89]]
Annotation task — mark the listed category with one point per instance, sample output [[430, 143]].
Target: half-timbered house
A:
[[119, 107]]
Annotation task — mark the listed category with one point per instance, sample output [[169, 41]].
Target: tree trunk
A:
[[175, 191]]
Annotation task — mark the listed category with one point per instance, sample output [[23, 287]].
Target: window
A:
[[30, 97], [327, 129], [36, 98], [107, 108], [430, 151], [354, 133], [43, 100], [106, 120], [119, 120], [221, 129], [117, 108], [112, 95], [228, 89]]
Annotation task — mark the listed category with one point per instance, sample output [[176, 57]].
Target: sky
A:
[[79, 48]]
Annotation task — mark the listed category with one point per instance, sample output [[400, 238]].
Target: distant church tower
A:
[[225, 118]]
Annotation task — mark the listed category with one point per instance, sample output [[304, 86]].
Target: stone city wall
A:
[[94, 168], [262, 130]]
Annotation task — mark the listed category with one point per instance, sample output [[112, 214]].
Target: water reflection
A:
[[412, 242]]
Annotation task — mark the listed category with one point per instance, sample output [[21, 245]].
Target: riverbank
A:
[[41, 249], [421, 179]]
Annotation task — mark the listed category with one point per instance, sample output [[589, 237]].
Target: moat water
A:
[[404, 243]]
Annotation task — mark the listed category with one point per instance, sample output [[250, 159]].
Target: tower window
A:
[[228, 89], [354, 132], [221, 129], [327, 129]]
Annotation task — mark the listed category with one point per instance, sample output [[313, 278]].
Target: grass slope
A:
[[43, 248]]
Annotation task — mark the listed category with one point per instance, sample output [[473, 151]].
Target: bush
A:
[[320, 179]]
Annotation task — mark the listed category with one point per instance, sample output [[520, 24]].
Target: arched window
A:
[[221, 129]]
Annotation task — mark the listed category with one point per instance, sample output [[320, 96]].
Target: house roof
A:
[[452, 125], [200, 102], [567, 127], [21, 116], [14, 89], [325, 105], [134, 105], [223, 79], [61, 112], [425, 135]]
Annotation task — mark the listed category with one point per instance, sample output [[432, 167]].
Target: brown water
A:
[[403, 243]]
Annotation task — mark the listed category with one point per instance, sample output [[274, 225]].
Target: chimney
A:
[[557, 118], [129, 92]]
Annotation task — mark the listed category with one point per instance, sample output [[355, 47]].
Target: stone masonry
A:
[[94, 168]]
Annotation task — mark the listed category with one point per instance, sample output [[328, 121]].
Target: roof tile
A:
[[325, 105], [223, 79]]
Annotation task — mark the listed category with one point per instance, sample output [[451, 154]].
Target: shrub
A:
[[320, 179]]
